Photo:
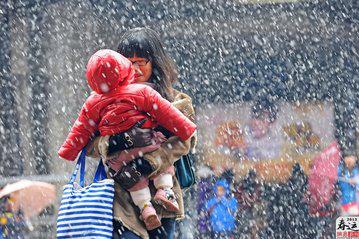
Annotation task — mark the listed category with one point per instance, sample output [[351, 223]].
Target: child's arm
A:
[[82, 130], [174, 147], [167, 115]]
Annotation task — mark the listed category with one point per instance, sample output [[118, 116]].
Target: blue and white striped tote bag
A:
[[86, 212]]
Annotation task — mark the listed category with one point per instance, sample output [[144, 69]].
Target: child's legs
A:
[[165, 195], [141, 184], [165, 180], [142, 195], [142, 199]]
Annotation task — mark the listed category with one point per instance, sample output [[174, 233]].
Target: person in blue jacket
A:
[[348, 175], [222, 209]]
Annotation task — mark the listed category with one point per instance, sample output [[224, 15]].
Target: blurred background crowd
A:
[[259, 181]]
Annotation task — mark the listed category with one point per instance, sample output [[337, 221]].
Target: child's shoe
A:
[[149, 217], [167, 199]]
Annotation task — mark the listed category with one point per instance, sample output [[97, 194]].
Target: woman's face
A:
[[143, 68]]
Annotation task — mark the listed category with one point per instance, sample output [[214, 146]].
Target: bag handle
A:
[[100, 171], [80, 164]]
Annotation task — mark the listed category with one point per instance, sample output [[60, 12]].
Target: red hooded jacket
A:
[[116, 105]]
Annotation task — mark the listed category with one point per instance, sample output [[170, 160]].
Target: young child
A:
[[115, 106], [222, 208], [348, 173]]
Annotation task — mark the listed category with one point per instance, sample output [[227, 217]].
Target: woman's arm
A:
[[171, 150], [166, 115]]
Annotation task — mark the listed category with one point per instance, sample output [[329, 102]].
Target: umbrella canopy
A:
[[323, 176], [30, 196]]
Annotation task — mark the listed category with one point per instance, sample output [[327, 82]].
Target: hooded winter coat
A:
[[116, 105], [222, 215], [347, 190]]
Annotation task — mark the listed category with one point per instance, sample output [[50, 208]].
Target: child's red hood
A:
[[108, 69]]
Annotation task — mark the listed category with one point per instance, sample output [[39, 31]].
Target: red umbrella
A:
[[323, 176]]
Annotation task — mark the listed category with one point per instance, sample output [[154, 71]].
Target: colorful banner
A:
[[230, 137]]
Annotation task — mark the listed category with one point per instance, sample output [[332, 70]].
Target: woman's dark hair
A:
[[145, 43]]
